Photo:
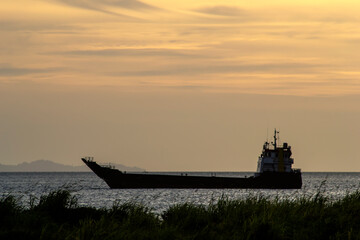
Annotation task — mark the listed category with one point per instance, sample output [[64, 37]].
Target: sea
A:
[[91, 191]]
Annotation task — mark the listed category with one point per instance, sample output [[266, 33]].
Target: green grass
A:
[[58, 216]]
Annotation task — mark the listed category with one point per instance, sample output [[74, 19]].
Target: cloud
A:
[[14, 71], [277, 14], [16, 26], [128, 52], [188, 86], [104, 5], [184, 70], [90, 6], [128, 4], [222, 11]]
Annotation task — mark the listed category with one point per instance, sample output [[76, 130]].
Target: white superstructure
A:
[[275, 158]]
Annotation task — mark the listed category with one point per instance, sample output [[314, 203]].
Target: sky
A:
[[180, 85]]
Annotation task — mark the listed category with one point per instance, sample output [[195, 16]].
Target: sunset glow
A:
[[303, 55], [300, 48]]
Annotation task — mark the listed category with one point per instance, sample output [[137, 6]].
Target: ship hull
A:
[[268, 180]]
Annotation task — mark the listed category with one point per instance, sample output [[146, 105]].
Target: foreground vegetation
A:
[[57, 216]]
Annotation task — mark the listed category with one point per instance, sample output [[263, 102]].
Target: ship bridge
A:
[[275, 158]]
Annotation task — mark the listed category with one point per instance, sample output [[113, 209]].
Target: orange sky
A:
[[179, 85]]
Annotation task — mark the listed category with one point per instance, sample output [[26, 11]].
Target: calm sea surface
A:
[[92, 191]]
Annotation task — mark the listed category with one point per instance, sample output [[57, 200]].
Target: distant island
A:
[[49, 166]]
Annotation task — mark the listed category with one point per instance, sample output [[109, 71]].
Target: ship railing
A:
[[107, 165], [89, 159]]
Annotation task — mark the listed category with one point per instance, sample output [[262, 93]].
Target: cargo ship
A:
[[274, 171]]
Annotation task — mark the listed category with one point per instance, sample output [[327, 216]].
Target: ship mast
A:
[[275, 138]]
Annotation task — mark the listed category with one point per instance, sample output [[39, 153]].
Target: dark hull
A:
[[117, 179]]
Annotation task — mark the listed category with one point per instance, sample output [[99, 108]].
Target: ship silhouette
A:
[[274, 171]]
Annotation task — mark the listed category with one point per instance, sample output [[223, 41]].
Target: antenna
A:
[[275, 138], [267, 133]]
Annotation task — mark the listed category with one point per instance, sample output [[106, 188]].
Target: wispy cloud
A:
[[107, 6], [44, 27], [16, 71], [183, 70], [129, 4], [223, 10], [274, 14], [129, 52]]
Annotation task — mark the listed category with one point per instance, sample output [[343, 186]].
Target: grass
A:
[[57, 216]]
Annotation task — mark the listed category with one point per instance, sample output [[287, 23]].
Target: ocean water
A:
[[90, 190]]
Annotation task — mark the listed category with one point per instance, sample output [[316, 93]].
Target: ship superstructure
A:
[[275, 158]]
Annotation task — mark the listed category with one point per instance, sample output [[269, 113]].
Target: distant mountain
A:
[[49, 166]]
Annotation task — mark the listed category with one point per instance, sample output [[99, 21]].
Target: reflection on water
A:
[[92, 191]]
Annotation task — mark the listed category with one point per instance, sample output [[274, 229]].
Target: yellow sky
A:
[[222, 45], [304, 51]]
